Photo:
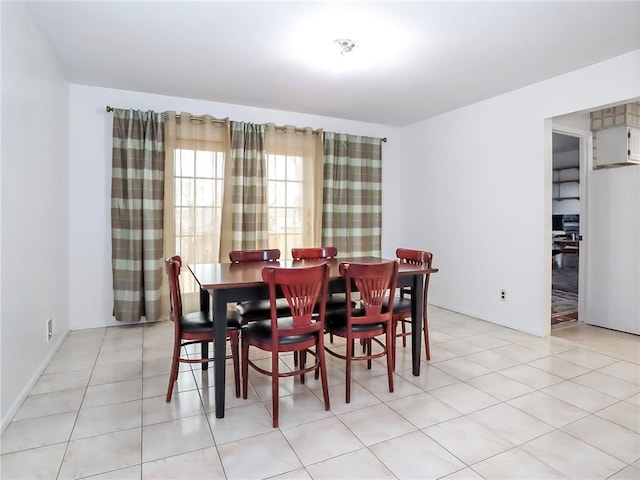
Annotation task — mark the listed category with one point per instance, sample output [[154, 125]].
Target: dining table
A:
[[231, 283]]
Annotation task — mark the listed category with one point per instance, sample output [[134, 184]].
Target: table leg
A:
[[219, 348], [417, 298]]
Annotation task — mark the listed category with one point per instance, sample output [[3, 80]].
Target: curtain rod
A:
[[110, 109]]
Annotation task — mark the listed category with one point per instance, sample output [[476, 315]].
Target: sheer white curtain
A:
[[196, 147], [294, 169]]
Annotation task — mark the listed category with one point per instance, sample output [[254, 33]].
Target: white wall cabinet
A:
[[617, 146]]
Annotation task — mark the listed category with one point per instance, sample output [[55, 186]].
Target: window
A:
[[285, 201], [198, 181]]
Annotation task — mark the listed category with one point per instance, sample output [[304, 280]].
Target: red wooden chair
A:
[[375, 283], [402, 304], [302, 287], [195, 328], [255, 310]]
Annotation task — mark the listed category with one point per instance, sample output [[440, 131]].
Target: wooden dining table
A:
[[230, 283]]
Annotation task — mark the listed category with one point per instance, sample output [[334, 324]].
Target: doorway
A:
[[566, 212]]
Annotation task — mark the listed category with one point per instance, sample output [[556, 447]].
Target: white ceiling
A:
[[413, 60]]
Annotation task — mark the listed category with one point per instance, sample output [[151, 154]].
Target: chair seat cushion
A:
[[400, 304], [261, 309], [200, 322], [261, 331], [337, 321]]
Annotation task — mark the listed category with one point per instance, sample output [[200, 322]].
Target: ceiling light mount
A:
[[346, 45]]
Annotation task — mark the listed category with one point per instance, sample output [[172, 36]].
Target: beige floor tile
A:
[[358, 464], [379, 386], [430, 378], [50, 404], [108, 393], [175, 437], [586, 358], [262, 456], [299, 408], [468, 440], [298, 474], [580, 396], [607, 384], [108, 374], [71, 361], [360, 398], [634, 399], [128, 473], [516, 463], [241, 422], [510, 423], [464, 474], [195, 465], [464, 398], [321, 440], [115, 357], [103, 453], [488, 341], [627, 473], [463, 368], [182, 404], [629, 372], [423, 409], [531, 376], [37, 432], [61, 381], [567, 455], [547, 408], [157, 386], [557, 366], [36, 463], [366, 425], [108, 418], [519, 353], [416, 455], [492, 360], [499, 386], [623, 413], [609, 437], [459, 347]]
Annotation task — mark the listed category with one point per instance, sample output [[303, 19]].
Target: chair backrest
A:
[[313, 253], [415, 257], [376, 282], [262, 255], [173, 265], [303, 288]]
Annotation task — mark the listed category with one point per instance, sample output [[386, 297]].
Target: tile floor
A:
[[492, 403]]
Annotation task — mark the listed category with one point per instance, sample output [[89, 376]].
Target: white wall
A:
[[35, 219], [90, 183], [482, 175]]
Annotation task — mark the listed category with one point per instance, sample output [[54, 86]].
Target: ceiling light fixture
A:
[[345, 45]]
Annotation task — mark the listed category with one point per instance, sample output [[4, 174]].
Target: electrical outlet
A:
[[49, 329], [503, 295]]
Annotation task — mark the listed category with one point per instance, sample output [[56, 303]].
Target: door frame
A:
[[585, 153]]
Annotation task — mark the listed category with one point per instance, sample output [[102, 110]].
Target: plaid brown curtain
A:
[[352, 194], [137, 192], [244, 211]]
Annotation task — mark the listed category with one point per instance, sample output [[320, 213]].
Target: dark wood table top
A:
[[213, 276]]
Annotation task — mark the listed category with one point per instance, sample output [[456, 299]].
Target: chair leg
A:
[[404, 333], [245, 369], [303, 362], [390, 357], [350, 345], [426, 338], [323, 372], [173, 375], [368, 352], [275, 380], [204, 349], [235, 355]]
